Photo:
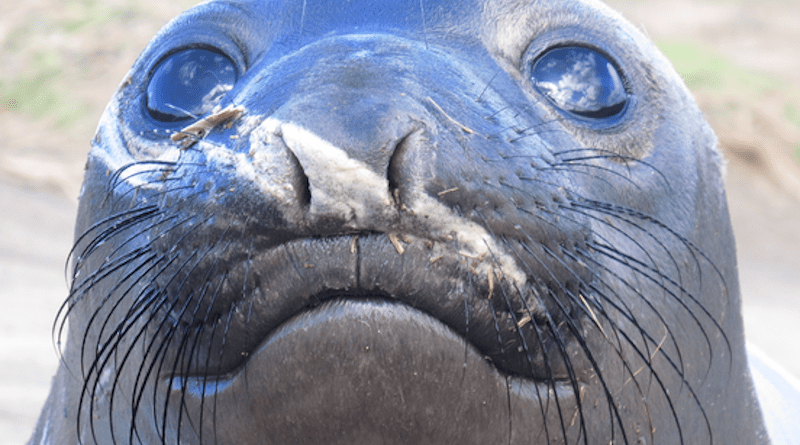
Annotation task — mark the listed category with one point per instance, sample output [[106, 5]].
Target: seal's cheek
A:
[[371, 372]]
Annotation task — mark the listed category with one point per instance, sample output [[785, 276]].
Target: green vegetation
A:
[[47, 61], [792, 113], [735, 88], [701, 68], [92, 13], [33, 91]]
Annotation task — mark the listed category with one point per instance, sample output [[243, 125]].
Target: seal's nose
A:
[[341, 185], [345, 123], [357, 98]]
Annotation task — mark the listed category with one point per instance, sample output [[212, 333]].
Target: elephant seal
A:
[[402, 221]]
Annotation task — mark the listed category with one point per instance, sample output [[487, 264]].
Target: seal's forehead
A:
[[503, 20], [325, 17]]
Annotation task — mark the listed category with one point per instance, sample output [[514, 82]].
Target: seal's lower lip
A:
[[319, 368], [343, 338]]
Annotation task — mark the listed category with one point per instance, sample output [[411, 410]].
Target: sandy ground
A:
[[63, 59]]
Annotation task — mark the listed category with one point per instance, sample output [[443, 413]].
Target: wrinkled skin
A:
[[387, 232]]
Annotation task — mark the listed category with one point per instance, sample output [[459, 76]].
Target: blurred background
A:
[[63, 59]]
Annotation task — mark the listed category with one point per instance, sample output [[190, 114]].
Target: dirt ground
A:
[[62, 59]]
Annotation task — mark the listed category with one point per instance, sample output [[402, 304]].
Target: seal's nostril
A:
[[394, 167], [403, 169], [300, 182]]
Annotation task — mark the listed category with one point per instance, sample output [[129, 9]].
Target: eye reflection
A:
[[188, 84], [581, 81]]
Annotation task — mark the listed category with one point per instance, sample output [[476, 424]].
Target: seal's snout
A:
[[344, 140]]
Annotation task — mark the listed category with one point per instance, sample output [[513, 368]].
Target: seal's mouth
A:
[[239, 307]]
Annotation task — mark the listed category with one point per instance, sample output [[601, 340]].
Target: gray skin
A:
[[396, 238]]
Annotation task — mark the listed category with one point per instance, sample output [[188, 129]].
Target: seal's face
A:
[[404, 222]]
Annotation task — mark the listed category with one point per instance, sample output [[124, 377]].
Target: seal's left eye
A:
[[580, 81], [188, 84]]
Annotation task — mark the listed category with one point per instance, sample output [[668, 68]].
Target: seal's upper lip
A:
[[262, 292]]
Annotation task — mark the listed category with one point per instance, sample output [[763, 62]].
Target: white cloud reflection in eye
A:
[[188, 84], [581, 81]]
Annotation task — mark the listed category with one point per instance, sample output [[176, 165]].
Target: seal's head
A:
[[403, 221]]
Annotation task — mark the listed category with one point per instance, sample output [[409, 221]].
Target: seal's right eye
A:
[[189, 83], [580, 81]]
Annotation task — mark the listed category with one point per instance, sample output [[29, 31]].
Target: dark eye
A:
[[581, 81], [188, 84]]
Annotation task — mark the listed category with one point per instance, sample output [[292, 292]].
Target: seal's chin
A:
[[313, 374]]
